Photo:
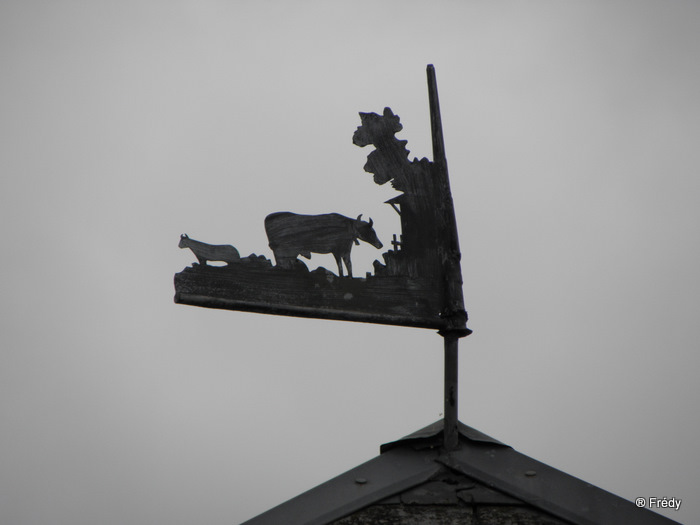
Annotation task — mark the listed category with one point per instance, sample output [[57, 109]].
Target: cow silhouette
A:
[[210, 252], [290, 235]]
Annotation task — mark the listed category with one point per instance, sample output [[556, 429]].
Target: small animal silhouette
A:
[[210, 252]]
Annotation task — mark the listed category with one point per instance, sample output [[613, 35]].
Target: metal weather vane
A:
[[419, 282]]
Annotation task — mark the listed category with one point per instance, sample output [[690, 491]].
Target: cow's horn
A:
[[371, 222], [359, 217]]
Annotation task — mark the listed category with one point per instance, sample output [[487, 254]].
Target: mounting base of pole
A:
[[455, 332]]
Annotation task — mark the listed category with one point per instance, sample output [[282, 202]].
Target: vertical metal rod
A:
[[454, 312], [451, 433], [436, 121], [449, 251]]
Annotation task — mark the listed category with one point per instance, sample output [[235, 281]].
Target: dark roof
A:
[[498, 475]]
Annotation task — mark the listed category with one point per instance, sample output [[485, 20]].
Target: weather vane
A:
[[418, 282]]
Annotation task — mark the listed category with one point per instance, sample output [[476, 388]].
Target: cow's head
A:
[[364, 232], [183, 241]]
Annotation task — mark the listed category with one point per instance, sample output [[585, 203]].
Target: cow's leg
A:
[[282, 259], [348, 264], [339, 262]]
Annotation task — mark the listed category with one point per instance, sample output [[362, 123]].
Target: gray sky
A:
[[571, 135]]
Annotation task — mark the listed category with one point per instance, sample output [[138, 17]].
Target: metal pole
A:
[[454, 311], [451, 433]]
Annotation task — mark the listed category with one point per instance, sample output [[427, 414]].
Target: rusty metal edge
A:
[[302, 311]]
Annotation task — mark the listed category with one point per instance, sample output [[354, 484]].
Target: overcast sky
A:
[[571, 133]]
